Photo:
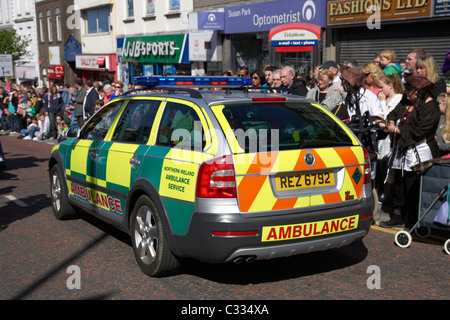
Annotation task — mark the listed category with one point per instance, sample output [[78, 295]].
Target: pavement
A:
[[17, 135]]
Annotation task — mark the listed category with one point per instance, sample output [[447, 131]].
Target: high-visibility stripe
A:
[[254, 172]]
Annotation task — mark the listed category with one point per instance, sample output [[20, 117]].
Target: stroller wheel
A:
[[403, 239], [447, 246], [423, 232]]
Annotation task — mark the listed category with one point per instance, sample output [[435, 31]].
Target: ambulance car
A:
[[221, 175]]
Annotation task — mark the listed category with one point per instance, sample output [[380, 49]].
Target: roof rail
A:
[[192, 92]]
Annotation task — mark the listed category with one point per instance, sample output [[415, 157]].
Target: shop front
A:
[[359, 30], [282, 32], [97, 67], [153, 55]]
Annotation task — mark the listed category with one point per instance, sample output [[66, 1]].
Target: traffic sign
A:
[[6, 65]]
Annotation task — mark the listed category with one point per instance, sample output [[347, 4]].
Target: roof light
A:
[[189, 81]]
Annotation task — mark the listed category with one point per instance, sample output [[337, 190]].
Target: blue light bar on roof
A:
[[188, 81]]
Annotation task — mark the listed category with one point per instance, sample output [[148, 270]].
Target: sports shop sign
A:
[[154, 49]]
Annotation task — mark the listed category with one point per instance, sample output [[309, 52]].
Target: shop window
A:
[[97, 20]]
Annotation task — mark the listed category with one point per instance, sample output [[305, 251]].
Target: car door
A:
[[121, 155], [82, 156]]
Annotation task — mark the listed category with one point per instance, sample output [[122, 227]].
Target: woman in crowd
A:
[[427, 67], [372, 74], [391, 94], [258, 78], [118, 86], [413, 126], [55, 105], [443, 131], [325, 93]]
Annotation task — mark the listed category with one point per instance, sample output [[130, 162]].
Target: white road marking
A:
[[20, 203]]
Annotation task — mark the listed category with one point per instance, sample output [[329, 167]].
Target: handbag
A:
[[443, 217]]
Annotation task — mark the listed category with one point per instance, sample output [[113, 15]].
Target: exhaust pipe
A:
[[248, 259]]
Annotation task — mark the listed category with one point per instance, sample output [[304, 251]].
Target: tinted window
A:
[[267, 127], [98, 125], [136, 121], [180, 126]]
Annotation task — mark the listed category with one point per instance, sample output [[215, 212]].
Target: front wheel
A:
[[150, 245]]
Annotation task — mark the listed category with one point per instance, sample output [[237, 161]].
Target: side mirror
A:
[[73, 132]]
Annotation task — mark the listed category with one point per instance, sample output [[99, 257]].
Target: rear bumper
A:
[[201, 243]]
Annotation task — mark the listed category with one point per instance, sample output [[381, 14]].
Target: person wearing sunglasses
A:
[[118, 87]]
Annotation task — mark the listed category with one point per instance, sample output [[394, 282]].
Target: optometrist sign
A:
[[260, 17]]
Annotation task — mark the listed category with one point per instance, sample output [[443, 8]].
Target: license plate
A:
[[308, 180]]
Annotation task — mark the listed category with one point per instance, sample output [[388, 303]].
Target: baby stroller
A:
[[434, 192]]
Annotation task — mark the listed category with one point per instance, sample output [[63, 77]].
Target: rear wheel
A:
[[62, 209], [149, 240]]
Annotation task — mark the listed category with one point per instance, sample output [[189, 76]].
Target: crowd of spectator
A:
[[41, 113], [410, 98]]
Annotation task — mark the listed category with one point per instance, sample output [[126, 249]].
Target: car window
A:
[[136, 121], [99, 124], [266, 127], [180, 126]]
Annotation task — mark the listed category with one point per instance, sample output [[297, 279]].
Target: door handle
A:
[[93, 155], [134, 162]]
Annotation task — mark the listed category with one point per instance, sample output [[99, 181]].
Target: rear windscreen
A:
[[273, 127]]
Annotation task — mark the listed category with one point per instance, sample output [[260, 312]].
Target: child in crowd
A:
[[98, 105], [44, 125], [27, 133], [66, 123]]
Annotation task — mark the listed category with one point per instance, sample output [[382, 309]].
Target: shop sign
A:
[[92, 62], [295, 34], [360, 11], [441, 7], [210, 20], [155, 49], [6, 65], [55, 72], [260, 17]]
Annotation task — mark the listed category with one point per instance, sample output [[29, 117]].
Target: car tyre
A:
[[62, 209], [149, 240]]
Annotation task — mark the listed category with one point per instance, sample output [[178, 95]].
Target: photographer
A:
[[413, 125]]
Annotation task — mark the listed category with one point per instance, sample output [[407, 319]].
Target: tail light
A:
[[216, 179], [367, 168]]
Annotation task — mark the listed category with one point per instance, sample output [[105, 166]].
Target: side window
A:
[[98, 125], [136, 121], [180, 125]]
